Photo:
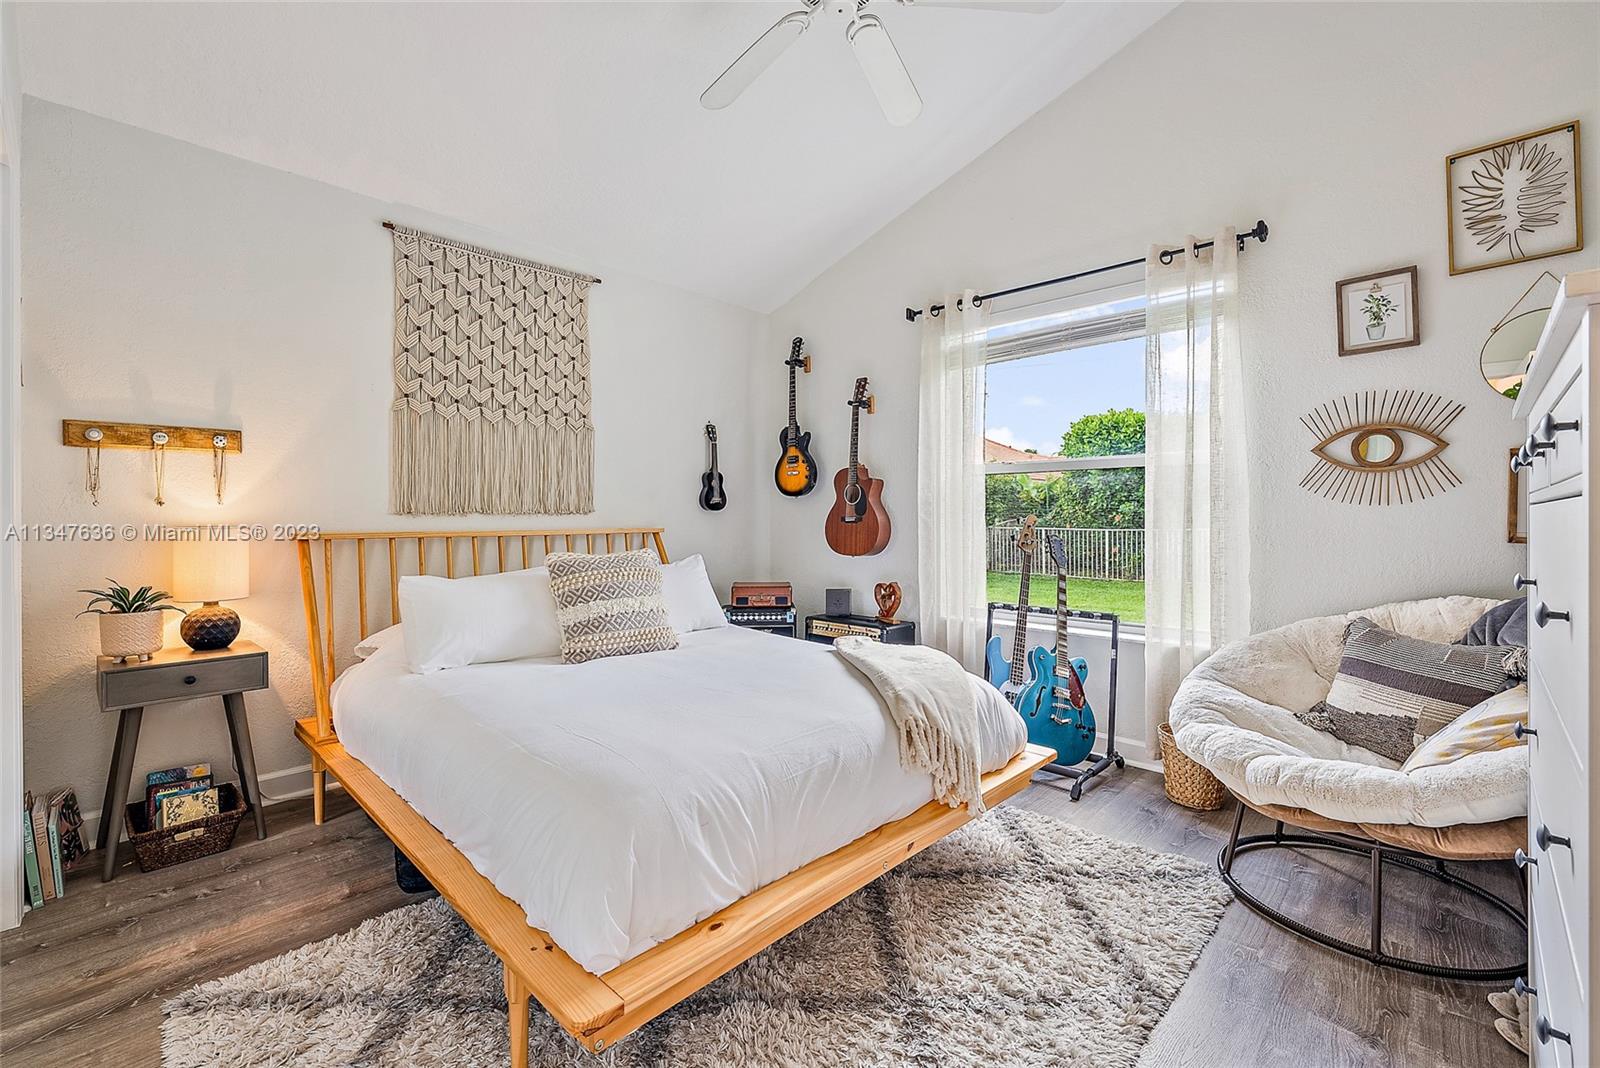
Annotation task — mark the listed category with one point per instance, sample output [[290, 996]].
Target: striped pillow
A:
[[1392, 691], [609, 605]]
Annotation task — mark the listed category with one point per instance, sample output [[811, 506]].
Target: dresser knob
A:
[[1545, 839], [1516, 462], [189, 680], [1521, 859], [1549, 427], [1522, 731], [1521, 582], [1546, 1033], [1523, 988], [1544, 614]]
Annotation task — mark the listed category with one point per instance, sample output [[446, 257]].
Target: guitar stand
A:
[[1097, 762]]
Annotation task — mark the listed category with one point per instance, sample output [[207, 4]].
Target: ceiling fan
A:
[[868, 38]]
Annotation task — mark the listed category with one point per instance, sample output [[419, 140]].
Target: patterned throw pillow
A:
[[1392, 691], [609, 605], [1489, 726]]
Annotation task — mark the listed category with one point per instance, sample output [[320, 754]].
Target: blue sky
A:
[[1031, 402]]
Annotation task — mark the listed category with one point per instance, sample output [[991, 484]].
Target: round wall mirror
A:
[[1379, 447], [1505, 356]]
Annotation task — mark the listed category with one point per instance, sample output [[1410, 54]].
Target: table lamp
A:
[[209, 571]]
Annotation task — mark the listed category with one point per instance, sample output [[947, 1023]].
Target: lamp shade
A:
[[210, 570]]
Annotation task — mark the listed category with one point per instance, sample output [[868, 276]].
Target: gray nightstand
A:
[[177, 675]]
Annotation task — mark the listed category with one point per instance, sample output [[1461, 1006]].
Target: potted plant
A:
[[1377, 308], [130, 624]]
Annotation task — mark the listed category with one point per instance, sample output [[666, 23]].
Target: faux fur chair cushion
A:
[[1234, 714]]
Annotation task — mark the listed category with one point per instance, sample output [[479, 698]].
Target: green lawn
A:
[[1094, 595]]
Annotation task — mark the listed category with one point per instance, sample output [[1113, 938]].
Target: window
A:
[[1064, 441]]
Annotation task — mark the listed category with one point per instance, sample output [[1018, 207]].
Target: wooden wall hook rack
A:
[[76, 432]]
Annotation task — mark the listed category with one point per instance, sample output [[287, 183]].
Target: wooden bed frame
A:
[[596, 1010]]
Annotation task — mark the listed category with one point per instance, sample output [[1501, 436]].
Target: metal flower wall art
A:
[[1518, 199], [1381, 447]]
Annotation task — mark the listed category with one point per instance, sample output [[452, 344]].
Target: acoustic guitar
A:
[[712, 496], [1054, 705], [857, 523], [1008, 676], [796, 473]]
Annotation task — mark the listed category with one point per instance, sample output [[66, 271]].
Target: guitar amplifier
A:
[[826, 628], [763, 595]]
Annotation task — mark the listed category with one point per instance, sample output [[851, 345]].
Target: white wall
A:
[[10, 474], [1330, 121], [169, 283]]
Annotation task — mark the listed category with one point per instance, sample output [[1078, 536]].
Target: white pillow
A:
[[479, 620], [691, 602], [370, 645]]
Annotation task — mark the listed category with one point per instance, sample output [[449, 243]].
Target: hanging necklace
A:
[[158, 449], [91, 464], [219, 452]]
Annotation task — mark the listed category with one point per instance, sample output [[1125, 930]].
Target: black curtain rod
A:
[[1259, 232]]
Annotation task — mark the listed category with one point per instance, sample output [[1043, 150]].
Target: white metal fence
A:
[[1094, 553]]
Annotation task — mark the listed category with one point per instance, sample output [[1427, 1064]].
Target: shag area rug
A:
[[1017, 941]]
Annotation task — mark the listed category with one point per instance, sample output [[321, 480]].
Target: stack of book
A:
[[51, 842], [178, 795]]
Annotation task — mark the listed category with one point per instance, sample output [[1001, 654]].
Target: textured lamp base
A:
[[210, 626]]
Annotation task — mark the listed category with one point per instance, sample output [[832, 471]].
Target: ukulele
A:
[[796, 473], [1007, 675], [712, 498], [1054, 705], [857, 524]]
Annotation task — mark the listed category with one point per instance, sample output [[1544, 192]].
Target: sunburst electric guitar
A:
[[796, 473], [1054, 705], [1009, 676]]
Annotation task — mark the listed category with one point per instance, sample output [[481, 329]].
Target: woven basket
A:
[[185, 841], [1188, 784]]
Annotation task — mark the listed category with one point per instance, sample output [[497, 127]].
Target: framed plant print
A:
[[1515, 200], [1378, 311]]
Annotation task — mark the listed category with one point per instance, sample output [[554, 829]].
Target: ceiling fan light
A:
[[885, 71], [755, 59]]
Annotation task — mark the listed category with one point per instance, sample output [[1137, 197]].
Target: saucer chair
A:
[[1234, 715]]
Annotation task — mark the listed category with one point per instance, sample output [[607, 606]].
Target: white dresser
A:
[[1558, 402]]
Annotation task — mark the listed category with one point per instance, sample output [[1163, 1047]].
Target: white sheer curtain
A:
[[1197, 491], [950, 524]]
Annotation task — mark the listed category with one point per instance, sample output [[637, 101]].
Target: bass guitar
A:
[[857, 523], [1007, 675], [796, 473], [712, 497], [1054, 705]]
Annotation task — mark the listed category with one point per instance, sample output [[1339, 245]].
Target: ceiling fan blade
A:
[[757, 58], [885, 72], [1019, 7]]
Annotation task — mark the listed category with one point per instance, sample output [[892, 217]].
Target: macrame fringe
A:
[[454, 466]]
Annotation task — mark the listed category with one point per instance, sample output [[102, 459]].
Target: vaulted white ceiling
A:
[[577, 125]]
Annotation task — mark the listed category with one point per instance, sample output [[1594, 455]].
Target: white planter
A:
[[126, 635]]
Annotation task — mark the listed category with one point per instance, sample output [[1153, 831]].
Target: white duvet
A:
[[623, 800]]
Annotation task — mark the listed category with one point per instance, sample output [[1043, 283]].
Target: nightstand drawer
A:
[[148, 685]]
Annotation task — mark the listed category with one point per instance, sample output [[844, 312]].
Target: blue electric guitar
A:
[[1053, 704], [1007, 675]]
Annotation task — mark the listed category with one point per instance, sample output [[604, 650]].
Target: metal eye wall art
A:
[[1381, 447]]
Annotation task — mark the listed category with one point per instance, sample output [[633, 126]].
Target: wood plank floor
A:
[[82, 982]]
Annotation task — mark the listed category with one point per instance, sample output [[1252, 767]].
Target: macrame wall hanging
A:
[[491, 383]]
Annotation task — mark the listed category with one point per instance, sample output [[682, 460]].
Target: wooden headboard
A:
[[510, 550]]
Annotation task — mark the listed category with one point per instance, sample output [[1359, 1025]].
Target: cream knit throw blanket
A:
[[491, 384], [930, 700]]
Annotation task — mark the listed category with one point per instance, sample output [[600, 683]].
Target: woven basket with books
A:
[[157, 847]]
